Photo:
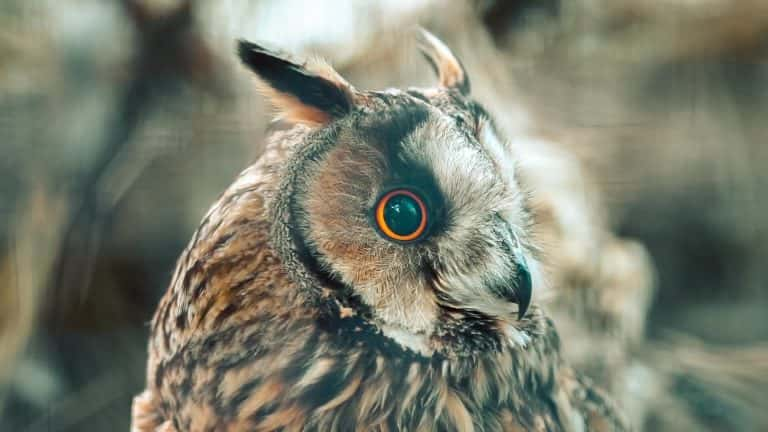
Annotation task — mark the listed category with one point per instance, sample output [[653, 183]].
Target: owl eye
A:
[[401, 215]]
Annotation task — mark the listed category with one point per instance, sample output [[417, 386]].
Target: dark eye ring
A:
[[401, 215]]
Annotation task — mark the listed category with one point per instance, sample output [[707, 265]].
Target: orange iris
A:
[[401, 215]]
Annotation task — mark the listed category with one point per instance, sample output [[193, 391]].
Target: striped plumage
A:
[[275, 320]]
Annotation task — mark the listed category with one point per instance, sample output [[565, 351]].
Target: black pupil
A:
[[402, 215]]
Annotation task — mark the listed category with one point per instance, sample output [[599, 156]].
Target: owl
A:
[[373, 270]]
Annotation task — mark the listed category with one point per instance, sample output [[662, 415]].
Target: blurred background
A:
[[121, 122]]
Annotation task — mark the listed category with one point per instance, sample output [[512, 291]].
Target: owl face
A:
[[407, 202]]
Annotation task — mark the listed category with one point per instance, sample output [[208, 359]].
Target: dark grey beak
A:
[[519, 290], [523, 288]]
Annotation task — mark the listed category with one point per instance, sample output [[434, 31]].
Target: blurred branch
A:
[[500, 16], [676, 30], [36, 237], [170, 52], [641, 31]]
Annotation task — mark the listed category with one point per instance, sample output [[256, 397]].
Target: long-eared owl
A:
[[373, 270]]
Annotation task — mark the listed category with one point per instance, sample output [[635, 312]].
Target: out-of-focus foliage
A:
[[120, 122]]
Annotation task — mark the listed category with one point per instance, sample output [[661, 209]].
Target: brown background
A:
[[120, 122]]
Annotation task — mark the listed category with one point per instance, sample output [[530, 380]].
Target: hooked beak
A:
[[523, 287], [520, 289]]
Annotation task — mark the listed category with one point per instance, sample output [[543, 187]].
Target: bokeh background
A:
[[121, 121]]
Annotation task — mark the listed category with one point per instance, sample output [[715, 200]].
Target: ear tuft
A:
[[311, 95], [448, 68]]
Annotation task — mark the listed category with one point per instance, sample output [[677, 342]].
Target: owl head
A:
[[403, 207]]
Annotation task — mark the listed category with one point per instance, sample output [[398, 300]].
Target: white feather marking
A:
[[418, 343]]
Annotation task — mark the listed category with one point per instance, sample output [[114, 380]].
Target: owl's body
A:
[[295, 306]]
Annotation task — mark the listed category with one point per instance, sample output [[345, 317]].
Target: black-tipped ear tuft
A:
[[299, 93]]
